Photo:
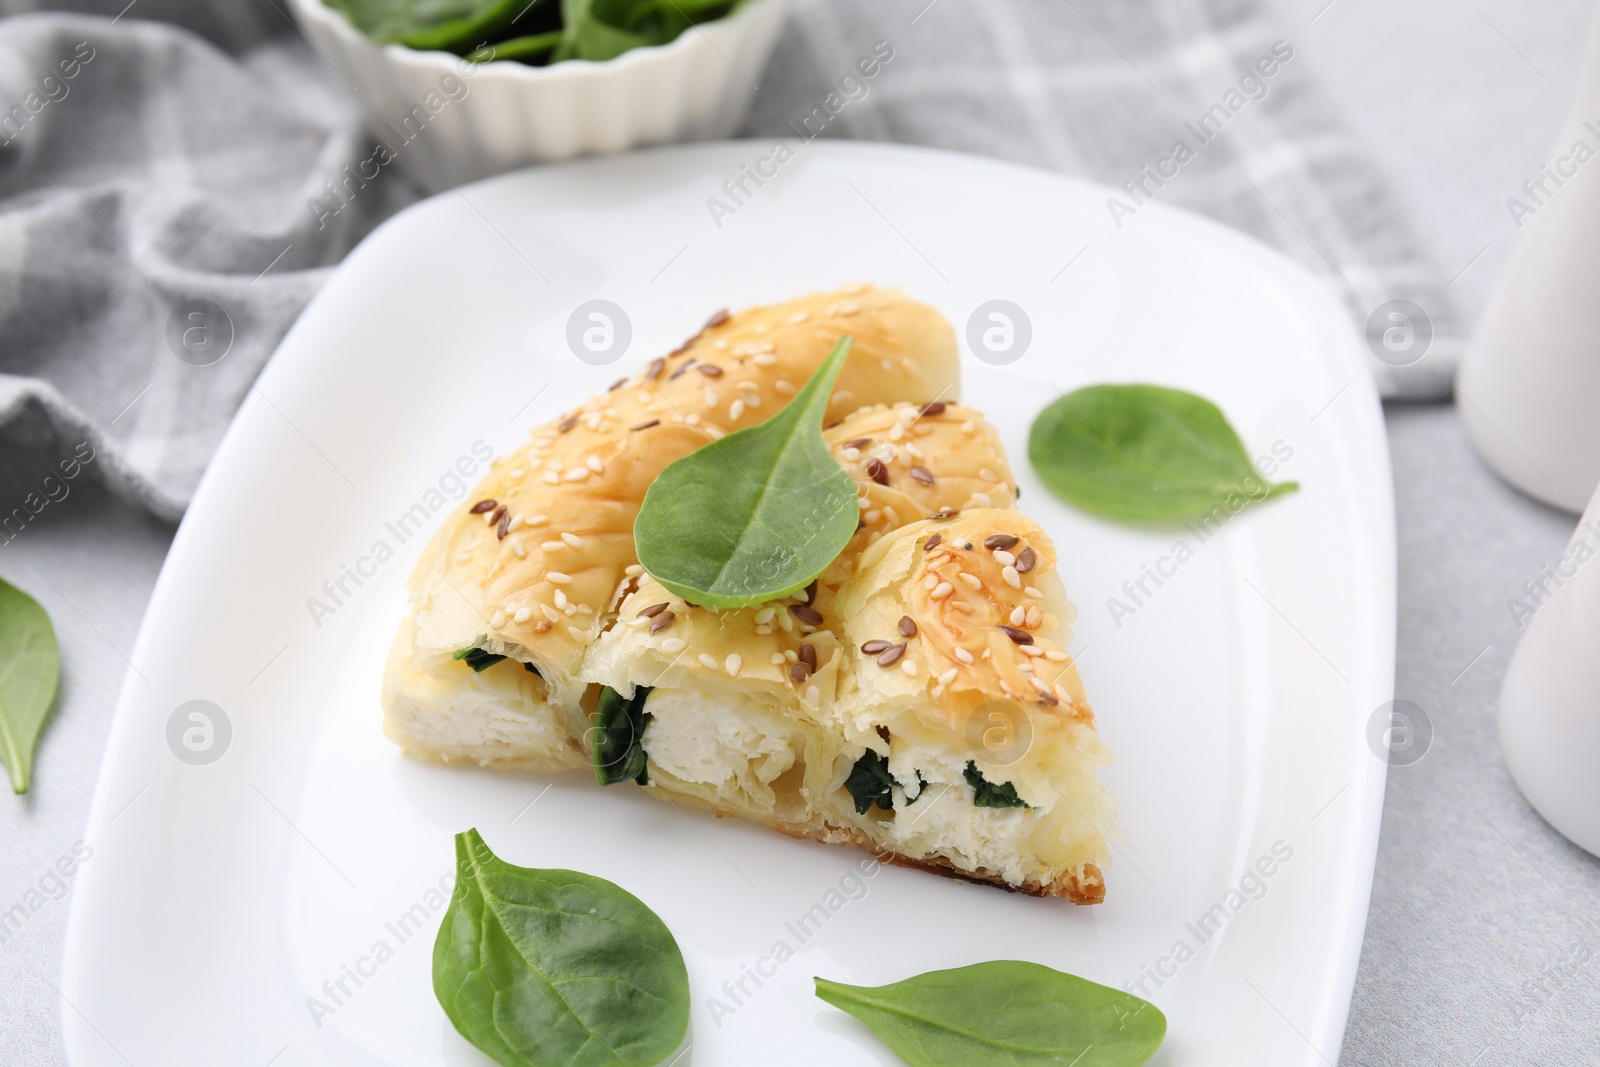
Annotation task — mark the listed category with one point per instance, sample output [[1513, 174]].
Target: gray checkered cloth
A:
[[155, 242]]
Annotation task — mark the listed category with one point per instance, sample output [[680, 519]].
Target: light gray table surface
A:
[[1480, 944]]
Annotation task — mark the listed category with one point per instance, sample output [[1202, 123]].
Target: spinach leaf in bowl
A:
[[447, 25]]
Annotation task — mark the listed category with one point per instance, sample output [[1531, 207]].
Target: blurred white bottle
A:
[[1550, 702], [1529, 388]]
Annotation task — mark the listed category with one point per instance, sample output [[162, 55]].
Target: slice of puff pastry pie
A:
[[917, 699]]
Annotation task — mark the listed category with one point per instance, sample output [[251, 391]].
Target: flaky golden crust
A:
[[536, 570]]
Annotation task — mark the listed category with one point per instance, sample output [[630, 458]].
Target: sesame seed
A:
[[732, 664], [891, 516], [633, 570], [800, 316], [1032, 617], [922, 474], [892, 654], [940, 591], [537, 520], [567, 423], [584, 609], [849, 307], [969, 426], [1021, 637], [982, 500], [652, 611], [518, 551], [552, 478], [523, 615], [964, 607], [851, 454], [806, 614], [720, 344], [1019, 615], [662, 621], [711, 398], [765, 359], [764, 616], [561, 601], [1031, 591], [776, 659], [1026, 560], [557, 578], [763, 630], [871, 517], [674, 644], [1011, 577], [1003, 557], [1032, 650], [553, 546], [736, 409], [708, 660], [497, 620], [576, 474], [813, 695], [970, 580], [948, 676], [783, 385], [786, 621], [873, 647], [988, 475], [932, 541], [930, 582], [482, 506], [572, 539], [964, 656], [645, 425], [897, 432], [596, 464]]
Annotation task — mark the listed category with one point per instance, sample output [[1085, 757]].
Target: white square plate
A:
[[278, 905]]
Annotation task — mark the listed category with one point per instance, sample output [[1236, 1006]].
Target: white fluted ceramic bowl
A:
[[448, 122]]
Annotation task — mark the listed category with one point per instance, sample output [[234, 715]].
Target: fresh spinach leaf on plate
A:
[[755, 515], [1005, 1011], [617, 735], [30, 670], [553, 968], [1144, 453]]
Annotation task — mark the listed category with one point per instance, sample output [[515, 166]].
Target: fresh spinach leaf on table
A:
[[553, 968], [30, 670], [1005, 1011]]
